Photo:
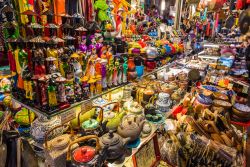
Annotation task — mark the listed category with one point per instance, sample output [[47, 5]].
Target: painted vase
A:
[[42, 125]]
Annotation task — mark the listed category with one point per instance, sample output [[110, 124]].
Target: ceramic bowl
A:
[[204, 99], [241, 110], [220, 96], [239, 119], [222, 103], [211, 88]]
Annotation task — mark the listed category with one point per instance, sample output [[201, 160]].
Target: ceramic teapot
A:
[[133, 107], [131, 126], [93, 126], [115, 143], [56, 148], [86, 156], [42, 125], [113, 118]]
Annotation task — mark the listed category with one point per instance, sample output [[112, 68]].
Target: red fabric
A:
[[29, 58], [31, 2], [208, 29], [11, 61], [239, 4]]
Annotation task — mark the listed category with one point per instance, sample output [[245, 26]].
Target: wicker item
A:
[[56, 149]]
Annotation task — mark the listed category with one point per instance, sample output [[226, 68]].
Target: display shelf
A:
[[39, 112], [84, 102]]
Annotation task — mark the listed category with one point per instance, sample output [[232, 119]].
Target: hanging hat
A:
[[84, 37], [82, 29], [74, 55], [29, 13]]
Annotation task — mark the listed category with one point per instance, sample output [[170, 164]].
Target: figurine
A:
[[92, 87], [83, 47], [125, 70], [51, 65], [109, 54], [98, 67], [99, 45], [85, 88], [52, 94], [115, 72], [120, 72], [119, 23], [104, 73], [61, 95], [76, 66], [93, 42], [69, 91], [52, 52], [110, 72], [78, 91], [98, 84]]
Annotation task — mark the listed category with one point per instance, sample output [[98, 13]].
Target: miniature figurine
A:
[[83, 47], [76, 66], [125, 70], [104, 73]]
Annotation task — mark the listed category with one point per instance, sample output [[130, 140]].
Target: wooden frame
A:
[[152, 141]]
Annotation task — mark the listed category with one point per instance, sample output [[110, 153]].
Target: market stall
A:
[[107, 83]]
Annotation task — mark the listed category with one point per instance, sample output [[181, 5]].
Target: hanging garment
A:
[[59, 8], [12, 61]]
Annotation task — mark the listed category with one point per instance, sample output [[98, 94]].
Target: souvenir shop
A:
[[117, 83]]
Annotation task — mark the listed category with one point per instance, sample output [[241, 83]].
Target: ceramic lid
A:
[[90, 124], [84, 154], [110, 138], [60, 142], [108, 114]]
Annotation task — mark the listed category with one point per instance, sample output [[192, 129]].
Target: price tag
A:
[[70, 114], [245, 89], [230, 86], [86, 106], [212, 79]]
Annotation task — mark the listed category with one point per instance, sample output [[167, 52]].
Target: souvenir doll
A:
[[115, 72], [21, 58], [92, 87], [98, 84], [78, 91], [120, 71], [42, 85], [104, 73], [93, 41], [27, 83], [61, 95], [69, 91], [125, 70], [77, 68], [52, 99], [104, 52], [51, 67], [38, 61], [119, 23], [98, 67], [63, 65], [109, 54], [99, 45], [85, 87], [110, 72], [53, 52], [83, 47]]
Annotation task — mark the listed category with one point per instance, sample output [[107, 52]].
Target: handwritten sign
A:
[[86, 106], [70, 114], [146, 156]]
